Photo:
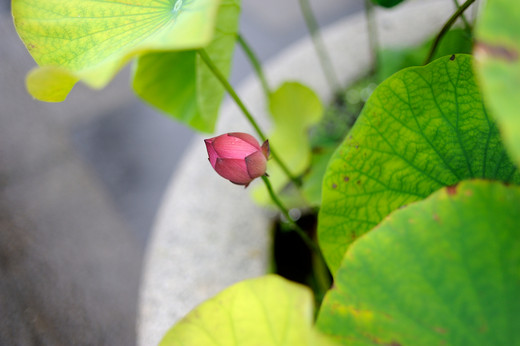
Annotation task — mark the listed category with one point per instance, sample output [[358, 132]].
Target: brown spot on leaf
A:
[[334, 186], [483, 50], [440, 330], [387, 316], [346, 179], [378, 341], [358, 182], [451, 189], [436, 217]]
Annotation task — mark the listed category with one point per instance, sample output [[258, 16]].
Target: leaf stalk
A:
[[447, 26], [323, 56], [255, 62], [308, 241]]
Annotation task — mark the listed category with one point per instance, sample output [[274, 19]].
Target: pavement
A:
[[81, 181]]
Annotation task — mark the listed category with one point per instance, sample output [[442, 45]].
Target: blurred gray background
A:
[[81, 181]]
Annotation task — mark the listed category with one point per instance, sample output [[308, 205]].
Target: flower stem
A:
[[324, 58], [308, 241], [216, 72], [445, 29], [256, 64], [321, 276]]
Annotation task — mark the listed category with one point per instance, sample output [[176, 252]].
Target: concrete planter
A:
[[208, 234]]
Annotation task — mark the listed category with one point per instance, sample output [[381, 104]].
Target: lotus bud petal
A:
[[237, 157]]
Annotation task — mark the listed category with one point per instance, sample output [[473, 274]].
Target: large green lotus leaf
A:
[[422, 129], [443, 271], [264, 311], [91, 40], [181, 85], [387, 3], [294, 109], [497, 61]]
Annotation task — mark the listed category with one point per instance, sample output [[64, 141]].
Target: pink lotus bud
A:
[[237, 157]]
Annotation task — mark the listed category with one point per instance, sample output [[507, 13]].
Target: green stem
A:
[[372, 34], [324, 58], [308, 241], [321, 276], [216, 72], [255, 63], [447, 27], [463, 17]]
